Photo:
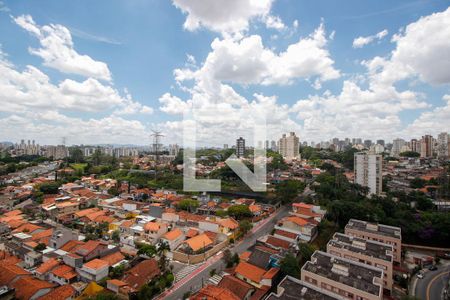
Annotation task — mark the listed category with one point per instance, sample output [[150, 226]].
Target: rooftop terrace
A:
[[381, 229]]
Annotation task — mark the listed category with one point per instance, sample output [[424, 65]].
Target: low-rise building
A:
[[377, 232], [292, 288], [94, 270], [173, 238], [294, 229], [254, 275], [343, 277], [369, 252]]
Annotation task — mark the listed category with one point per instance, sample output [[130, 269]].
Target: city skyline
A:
[[67, 72]]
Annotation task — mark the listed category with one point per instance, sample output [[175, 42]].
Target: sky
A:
[[110, 71]]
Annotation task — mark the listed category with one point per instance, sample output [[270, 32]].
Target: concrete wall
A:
[[195, 259]]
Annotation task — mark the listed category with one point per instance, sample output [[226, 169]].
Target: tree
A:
[[245, 226], [239, 211], [117, 272], [290, 266], [417, 183], [228, 258], [40, 247], [146, 249], [409, 154], [188, 205], [305, 252], [236, 258], [49, 187], [76, 155], [288, 190], [115, 236]]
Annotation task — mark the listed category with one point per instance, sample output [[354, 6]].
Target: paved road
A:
[[200, 276], [432, 285]]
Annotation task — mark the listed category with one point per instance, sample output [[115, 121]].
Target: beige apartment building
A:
[[377, 232], [343, 277], [369, 252]]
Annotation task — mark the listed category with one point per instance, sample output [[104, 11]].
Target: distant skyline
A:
[[108, 72]]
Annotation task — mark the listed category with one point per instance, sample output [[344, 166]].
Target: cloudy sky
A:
[[111, 71]]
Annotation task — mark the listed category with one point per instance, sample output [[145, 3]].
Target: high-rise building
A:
[[225, 146], [260, 144], [397, 146], [368, 171], [443, 144], [367, 144], [240, 147], [273, 146], [426, 146], [414, 144], [289, 146], [380, 142]]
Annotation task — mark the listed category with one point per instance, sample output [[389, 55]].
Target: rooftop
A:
[[354, 274], [96, 264], [381, 229], [60, 293], [212, 292], [198, 242], [240, 288], [173, 234], [359, 245], [291, 288]]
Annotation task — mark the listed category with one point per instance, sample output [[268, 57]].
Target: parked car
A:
[[420, 275], [432, 268]]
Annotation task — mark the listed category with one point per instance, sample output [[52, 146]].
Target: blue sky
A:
[[140, 44]]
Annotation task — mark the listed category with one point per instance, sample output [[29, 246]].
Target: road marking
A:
[[431, 282]]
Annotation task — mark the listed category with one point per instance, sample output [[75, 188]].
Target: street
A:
[[194, 281], [432, 285]]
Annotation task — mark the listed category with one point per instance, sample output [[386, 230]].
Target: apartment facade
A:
[[377, 232], [343, 277], [368, 171], [240, 147], [289, 146], [371, 253]]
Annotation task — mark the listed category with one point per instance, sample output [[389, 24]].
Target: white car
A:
[[420, 275]]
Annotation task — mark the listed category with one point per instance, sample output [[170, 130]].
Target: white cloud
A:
[[274, 22], [247, 61], [422, 50], [111, 129], [57, 50], [226, 16], [361, 41], [172, 104], [31, 89]]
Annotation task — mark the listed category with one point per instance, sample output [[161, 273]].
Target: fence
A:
[[197, 258]]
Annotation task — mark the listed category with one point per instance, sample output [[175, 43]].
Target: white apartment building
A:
[[368, 171], [443, 144], [397, 147], [289, 146]]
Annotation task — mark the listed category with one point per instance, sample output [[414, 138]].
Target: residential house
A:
[[141, 274], [62, 274], [173, 238], [239, 287], [94, 270], [254, 275], [293, 225], [64, 292], [30, 288], [197, 244], [91, 249], [154, 230]]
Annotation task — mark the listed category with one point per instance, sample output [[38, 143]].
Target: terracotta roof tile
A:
[[250, 271], [96, 264], [42, 234], [64, 271], [278, 243], [191, 233], [141, 273], [173, 234], [212, 292], [27, 227], [71, 245], [28, 286], [88, 247], [60, 293], [9, 272], [113, 258], [47, 266], [198, 242], [240, 288]]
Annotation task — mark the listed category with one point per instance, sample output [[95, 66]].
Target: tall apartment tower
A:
[[240, 147], [368, 171], [397, 146], [426, 146], [443, 144], [289, 146]]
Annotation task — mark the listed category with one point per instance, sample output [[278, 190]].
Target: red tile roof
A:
[[141, 273], [88, 247], [10, 272], [96, 264], [71, 245], [60, 293], [198, 242], [28, 228], [28, 286], [64, 271], [240, 288], [173, 234], [113, 258], [278, 243], [250, 271], [47, 266], [212, 292]]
